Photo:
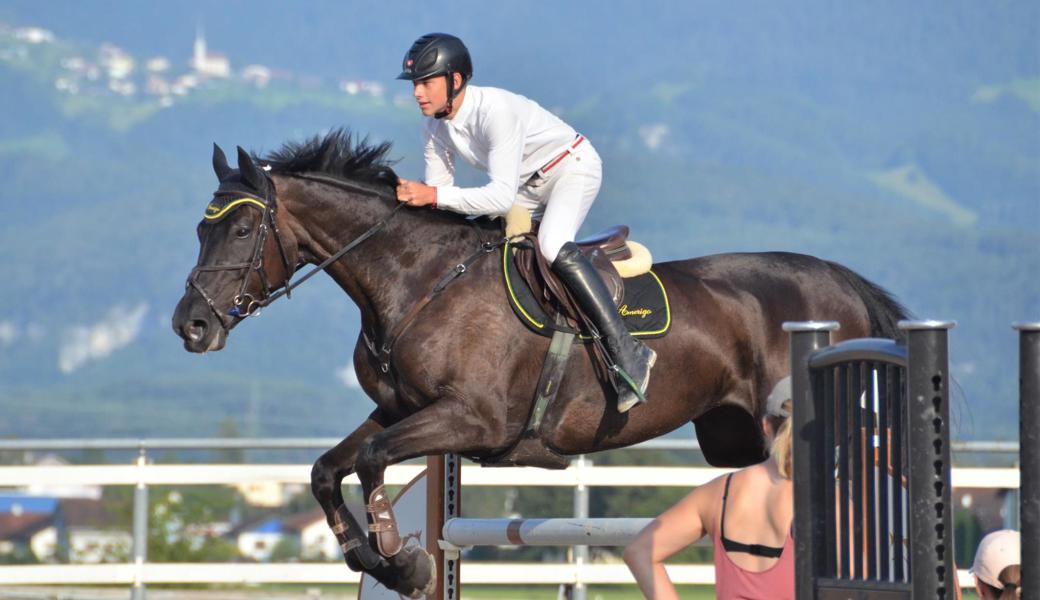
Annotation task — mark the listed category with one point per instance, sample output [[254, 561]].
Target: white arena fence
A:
[[580, 476]]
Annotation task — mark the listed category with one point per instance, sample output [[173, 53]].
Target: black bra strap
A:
[[732, 546]]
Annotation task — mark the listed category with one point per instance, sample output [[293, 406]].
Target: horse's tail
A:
[[883, 310]]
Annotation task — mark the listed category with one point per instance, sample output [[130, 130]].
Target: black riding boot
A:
[[632, 358]]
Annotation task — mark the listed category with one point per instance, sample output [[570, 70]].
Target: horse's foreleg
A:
[[440, 428], [326, 485]]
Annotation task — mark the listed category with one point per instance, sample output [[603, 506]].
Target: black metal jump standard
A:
[[872, 464], [1029, 455]]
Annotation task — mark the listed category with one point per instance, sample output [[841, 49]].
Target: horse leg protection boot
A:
[[632, 359]]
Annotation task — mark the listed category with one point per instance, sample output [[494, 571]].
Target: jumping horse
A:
[[450, 368]]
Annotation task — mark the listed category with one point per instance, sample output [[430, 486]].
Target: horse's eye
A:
[[242, 232]]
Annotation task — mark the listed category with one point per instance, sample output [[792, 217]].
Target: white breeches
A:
[[561, 198]]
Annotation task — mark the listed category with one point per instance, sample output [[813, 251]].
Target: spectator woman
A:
[[748, 515]]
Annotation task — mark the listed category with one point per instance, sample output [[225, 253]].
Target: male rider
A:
[[532, 158]]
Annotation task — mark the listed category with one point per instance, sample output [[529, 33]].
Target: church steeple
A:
[[199, 56]]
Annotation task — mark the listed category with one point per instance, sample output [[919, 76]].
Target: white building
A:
[[208, 64], [33, 35], [258, 541], [258, 75], [92, 533], [157, 64], [116, 62], [317, 542], [29, 532], [29, 524], [309, 530]]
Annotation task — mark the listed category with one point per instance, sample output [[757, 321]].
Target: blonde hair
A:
[[1011, 579], [781, 448]]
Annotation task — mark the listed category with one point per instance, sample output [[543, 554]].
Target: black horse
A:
[[462, 377]]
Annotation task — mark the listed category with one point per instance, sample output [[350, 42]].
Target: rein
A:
[[328, 261], [383, 353], [253, 306]]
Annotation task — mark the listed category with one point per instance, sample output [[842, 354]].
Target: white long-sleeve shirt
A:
[[501, 133]]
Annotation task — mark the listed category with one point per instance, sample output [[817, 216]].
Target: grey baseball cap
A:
[[775, 401]]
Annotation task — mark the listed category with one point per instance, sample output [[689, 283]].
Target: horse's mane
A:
[[338, 153]]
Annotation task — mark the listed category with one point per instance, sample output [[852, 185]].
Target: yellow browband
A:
[[220, 212]]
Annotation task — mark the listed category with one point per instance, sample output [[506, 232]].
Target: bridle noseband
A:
[[244, 304]]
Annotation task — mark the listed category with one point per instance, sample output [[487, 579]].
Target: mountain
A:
[[901, 141]]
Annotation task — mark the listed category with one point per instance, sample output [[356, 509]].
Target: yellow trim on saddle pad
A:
[[667, 310], [215, 211], [509, 286]]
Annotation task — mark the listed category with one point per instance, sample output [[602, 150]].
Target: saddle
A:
[[613, 255], [543, 303]]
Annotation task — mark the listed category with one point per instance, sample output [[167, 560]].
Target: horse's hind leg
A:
[[326, 485], [441, 428]]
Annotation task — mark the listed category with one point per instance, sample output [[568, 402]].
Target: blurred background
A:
[[900, 139]]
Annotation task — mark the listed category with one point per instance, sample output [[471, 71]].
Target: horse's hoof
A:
[[417, 572]]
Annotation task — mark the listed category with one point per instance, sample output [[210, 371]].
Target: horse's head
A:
[[243, 256]]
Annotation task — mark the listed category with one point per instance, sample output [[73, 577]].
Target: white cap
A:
[[775, 401], [996, 552]]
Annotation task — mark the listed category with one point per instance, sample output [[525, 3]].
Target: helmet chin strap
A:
[[451, 96]]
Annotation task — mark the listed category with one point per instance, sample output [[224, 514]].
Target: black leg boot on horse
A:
[[632, 359]]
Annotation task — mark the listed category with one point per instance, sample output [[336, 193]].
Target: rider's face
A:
[[431, 94]]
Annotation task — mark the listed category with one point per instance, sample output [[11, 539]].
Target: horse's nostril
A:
[[195, 329]]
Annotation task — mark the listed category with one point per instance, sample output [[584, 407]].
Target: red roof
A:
[[83, 512], [299, 521], [23, 526]]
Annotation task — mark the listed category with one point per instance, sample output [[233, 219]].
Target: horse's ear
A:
[[220, 166], [250, 173]]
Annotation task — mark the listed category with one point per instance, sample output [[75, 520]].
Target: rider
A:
[[532, 158]]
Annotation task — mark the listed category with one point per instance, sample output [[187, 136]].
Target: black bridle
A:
[[269, 222]]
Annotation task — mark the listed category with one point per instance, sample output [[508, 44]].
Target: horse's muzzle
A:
[[198, 327]]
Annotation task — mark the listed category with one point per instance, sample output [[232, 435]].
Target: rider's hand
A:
[[414, 193]]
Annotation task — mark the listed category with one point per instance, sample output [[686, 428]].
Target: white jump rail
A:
[[593, 476]]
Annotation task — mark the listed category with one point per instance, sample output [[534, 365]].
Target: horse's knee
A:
[[371, 461], [323, 479]]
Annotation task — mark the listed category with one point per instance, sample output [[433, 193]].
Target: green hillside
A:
[[931, 190]]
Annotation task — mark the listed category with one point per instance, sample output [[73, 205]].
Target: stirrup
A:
[[640, 397]]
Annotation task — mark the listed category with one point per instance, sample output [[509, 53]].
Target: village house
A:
[[257, 75], [158, 64], [309, 531], [92, 533], [116, 62], [29, 527]]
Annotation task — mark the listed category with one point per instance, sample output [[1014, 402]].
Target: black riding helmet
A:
[[438, 54]]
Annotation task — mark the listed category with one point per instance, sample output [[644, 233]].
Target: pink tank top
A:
[[733, 582]]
